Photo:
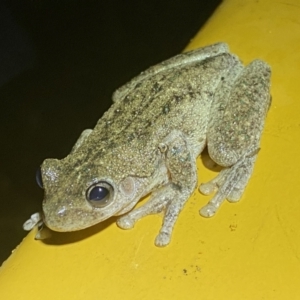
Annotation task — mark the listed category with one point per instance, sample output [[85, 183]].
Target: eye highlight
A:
[[100, 194]]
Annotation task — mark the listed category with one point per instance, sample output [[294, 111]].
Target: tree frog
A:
[[148, 141]]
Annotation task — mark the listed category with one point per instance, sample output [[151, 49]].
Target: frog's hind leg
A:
[[230, 183], [171, 197], [233, 137]]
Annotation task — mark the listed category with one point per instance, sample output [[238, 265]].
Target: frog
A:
[[147, 143]]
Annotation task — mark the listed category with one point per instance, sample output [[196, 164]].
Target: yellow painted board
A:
[[249, 250]]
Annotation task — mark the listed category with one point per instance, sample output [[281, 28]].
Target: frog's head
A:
[[79, 195]]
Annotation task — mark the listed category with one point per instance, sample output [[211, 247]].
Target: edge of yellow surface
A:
[[249, 250]]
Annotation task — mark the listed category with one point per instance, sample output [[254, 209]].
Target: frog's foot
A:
[[168, 199], [231, 183], [212, 185], [153, 206], [35, 220]]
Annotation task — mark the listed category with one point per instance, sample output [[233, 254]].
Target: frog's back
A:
[[174, 99]]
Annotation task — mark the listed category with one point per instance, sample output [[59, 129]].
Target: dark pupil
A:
[[38, 177], [98, 193]]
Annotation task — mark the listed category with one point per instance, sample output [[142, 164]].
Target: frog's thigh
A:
[[234, 133], [172, 196]]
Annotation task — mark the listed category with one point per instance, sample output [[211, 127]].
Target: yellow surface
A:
[[249, 250]]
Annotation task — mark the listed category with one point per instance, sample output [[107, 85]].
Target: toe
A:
[[208, 210], [125, 222], [163, 239], [207, 188]]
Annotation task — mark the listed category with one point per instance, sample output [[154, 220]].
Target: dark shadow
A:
[[209, 163], [63, 238]]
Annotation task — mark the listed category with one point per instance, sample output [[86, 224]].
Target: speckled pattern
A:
[[148, 141]]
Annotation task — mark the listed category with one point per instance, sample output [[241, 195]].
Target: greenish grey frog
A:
[[148, 142]]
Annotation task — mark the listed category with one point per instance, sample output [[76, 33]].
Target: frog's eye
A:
[[38, 178], [100, 194]]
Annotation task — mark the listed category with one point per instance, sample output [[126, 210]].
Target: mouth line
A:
[[74, 221]]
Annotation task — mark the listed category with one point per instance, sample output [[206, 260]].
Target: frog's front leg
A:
[[171, 197], [234, 132]]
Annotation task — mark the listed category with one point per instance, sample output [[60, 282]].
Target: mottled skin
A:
[[148, 142]]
